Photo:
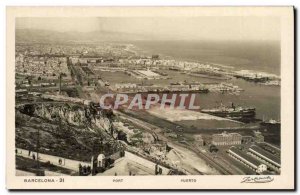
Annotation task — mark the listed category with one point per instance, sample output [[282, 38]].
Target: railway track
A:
[[150, 128]]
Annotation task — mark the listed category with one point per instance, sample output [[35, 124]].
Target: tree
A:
[[213, 148]]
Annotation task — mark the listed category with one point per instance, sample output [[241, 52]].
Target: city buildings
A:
[[226, 139], [74, 77], [132, 164], [199, 140], [258, 137]]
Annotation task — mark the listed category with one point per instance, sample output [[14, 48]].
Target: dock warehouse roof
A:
[[265, 155], [246, 158]]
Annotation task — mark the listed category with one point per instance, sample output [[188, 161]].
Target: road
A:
[[66, 163]]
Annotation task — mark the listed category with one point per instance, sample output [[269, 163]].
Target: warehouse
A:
[[265, 157], [247, 160]]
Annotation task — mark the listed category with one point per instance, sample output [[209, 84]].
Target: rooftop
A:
[[265, 154], [124, 166], [245, 156]]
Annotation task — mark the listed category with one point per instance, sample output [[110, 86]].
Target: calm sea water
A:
[[259, 56]]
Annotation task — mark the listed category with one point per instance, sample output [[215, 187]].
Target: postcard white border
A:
[[283, 181]]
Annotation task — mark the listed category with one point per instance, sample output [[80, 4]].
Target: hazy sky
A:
[[193, 28]]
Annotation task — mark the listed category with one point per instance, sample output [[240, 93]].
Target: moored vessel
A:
[[233, 112]]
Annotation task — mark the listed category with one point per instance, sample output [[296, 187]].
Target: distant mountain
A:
[[46, 36]]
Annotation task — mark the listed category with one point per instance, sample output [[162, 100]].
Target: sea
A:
[[260, 56]]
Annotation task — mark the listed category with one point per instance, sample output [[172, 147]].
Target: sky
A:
[[186, 28]]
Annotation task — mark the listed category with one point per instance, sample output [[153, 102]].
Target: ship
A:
[[270, 123], [233, 112]]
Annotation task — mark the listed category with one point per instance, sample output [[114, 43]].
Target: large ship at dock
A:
[[233, 112]]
